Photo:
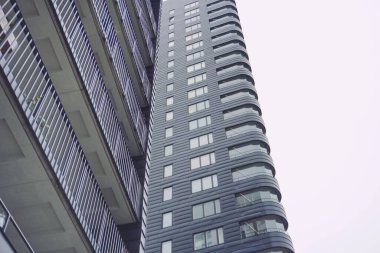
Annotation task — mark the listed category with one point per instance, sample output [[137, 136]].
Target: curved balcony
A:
[[78, 42], [34, 96]]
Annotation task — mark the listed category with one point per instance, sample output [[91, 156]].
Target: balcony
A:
[[12, 240], [45, 177]]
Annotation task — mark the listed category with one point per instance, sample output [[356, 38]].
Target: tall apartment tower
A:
[[75, 101], [212, 185]]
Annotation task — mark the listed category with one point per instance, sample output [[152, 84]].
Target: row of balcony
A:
[[85, 60], [33, 90]]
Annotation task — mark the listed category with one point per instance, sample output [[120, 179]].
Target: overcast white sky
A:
[[317, 70]]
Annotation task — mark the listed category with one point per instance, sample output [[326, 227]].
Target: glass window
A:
[[193, 27], [198, 106], [196, 66], [243, 128], [208, 238], [170, 64], [171, 53], [191, 12], [168, 132], [194, 56], [169, 87], [168, 170], [168, 193], [256, 196], [171, 19], [262, 225], [201, 161], [251, 170], [201, 122], [192, 19], [171, 35], [169, 101], [171, 44], [247, 148], [171, 27], [204, 183], [169, 116], [193, 36], [169, 150], [195, 45], [171, 12], [166, 247], [196, 79], [201, 141], [241, 110], [206, 209], [170, 75], [167, 219], [190, 5]]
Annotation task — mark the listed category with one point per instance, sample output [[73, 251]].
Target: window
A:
[[194, 45], [168, 150], [244, 128], [169, 116], [192, 19], [193, 27], [256, 196], [166, 247], [240, 110], [171, 19], [171, 53], [206, 209], [168, 193], [196, 79], [194, 56], [167, 219], [247, 148], [168, 132], [202, 161], [171, 27], [197, 92], [171, 44], [237, 95], [168, 170], [169, 87], [251, 170], [190, 5], [261, 225], [208, 238], [171, 35], [193, 36], [204, 183], [171, 12], [170, 64], [201, 141], [170, 75], [201, 122], [199, 106], [196, 66], [188, 13], [169, 101]]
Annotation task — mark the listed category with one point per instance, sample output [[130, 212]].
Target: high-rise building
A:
[[101, 107], [75, 101], [212, 185]]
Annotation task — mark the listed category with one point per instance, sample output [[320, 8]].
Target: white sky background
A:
[[317, 70]]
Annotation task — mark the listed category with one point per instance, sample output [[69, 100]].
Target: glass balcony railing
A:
[[84, 57], [13, 233], [128, 27], [28, 78]]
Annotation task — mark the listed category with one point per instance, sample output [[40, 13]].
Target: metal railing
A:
[[84, 57], [13, 233], [151, 16], [144, 26], [28, 78], [128, 27]]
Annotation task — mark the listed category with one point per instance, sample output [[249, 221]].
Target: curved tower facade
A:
[[212, 180]]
